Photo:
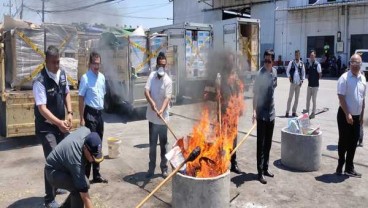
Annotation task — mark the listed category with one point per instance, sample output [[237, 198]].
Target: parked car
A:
[[364, 54]]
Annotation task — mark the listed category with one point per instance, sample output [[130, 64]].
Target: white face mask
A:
[[161, 71]]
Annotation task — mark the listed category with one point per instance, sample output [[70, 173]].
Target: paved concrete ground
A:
[[21, 172]]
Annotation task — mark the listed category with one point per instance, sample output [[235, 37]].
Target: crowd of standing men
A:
[[71, 155]]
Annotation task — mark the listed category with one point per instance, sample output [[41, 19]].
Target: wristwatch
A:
[[70, 112]]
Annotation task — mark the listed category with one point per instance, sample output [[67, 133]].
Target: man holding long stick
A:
[[264, 113]]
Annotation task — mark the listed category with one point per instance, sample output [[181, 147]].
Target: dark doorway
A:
[[358, 42], [318, 42]]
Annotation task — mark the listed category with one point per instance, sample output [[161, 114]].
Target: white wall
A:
[[192, 11], [265, 13], [293, 28]]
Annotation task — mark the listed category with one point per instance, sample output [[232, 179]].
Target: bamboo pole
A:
[[243, 140]]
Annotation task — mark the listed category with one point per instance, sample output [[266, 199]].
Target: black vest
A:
[[313, 75], [55, 100], [292, 70]]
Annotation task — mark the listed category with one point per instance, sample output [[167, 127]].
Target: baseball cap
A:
[[94, 145], [161, 71]]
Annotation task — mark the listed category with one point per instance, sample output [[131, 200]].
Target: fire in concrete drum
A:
[[188, 191]]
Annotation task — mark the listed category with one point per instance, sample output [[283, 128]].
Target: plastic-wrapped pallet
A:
[[26, 49]]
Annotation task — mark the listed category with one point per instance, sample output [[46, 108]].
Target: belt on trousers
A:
[[92, 110]]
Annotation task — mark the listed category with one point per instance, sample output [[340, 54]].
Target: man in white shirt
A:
[[351, 90], [158, 94], [296, 74]]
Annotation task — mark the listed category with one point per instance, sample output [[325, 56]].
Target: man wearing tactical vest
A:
[[51, 94], [314, 72], [296, 74]]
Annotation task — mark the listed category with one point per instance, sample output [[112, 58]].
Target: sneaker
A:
[[52, 204], [164, 174], [353, 173], [294, 115], [287, 115], [312, 116], [99, 180]]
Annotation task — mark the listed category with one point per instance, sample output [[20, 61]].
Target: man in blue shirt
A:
[[92, 90]]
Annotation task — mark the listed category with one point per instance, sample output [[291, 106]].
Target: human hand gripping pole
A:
[[193, 155]]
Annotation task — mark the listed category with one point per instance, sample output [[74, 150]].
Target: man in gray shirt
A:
[[65, 165]]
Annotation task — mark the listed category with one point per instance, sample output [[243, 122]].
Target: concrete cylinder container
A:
[[301, 152], [188, 191]]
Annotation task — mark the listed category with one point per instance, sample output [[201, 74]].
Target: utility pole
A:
[[8, 5], [21, 10], [43, 22]]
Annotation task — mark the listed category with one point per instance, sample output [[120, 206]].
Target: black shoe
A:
[[287, 115], [262, 179], [61, 191], [149, 174], [235, 169], [52, 204], [268, 173], [353, 173], [164, 174], [294, 115], [339, 170], [99, 180]]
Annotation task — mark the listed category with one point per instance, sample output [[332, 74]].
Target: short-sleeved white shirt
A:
[[39, 91], [160, 89], [354, 89]]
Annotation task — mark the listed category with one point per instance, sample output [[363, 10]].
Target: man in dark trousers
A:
[[92, 90], [314, 74], [351, 90], [264, 113], [51, 93], [65, 165], [230, 86]]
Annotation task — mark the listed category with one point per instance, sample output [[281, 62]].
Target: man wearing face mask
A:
[[51, 94], [158, 92], [296, 74], [92, 90]]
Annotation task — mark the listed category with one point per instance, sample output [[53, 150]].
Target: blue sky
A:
[[147, 13]]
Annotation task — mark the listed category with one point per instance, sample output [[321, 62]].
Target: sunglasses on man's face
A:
[[267, 61]]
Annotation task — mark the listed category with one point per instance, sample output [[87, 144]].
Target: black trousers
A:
[[49, 140], [348, 139], [233, 158], [157, 132], [93, 121], [59, 179], [264, 142]]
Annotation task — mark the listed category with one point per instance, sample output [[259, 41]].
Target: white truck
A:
[[187, 52], [240, 36]]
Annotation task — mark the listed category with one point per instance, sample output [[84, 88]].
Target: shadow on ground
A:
[[279, 165], [28, 202], [331, 178], [139, 179], [239, 180], [18, 143], [332, 147]]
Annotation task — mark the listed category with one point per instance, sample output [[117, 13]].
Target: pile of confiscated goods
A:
[[301, 125]]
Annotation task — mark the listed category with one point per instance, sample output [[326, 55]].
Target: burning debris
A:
[[215, 141]]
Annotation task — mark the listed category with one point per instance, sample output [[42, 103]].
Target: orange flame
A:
[[216, 142]]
